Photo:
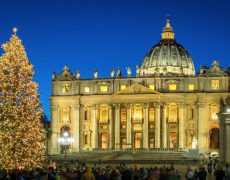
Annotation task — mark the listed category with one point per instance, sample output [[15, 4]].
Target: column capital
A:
[[157, 105], [94, 106], [164, 105], [182, 105], [54, 107], [128, 105], [117, 106], [200, 104], [146, 105], [77, 107]]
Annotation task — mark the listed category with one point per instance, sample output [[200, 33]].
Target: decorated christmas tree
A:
[[22, 134]]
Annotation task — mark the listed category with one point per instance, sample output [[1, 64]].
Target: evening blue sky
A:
[[103, 34]]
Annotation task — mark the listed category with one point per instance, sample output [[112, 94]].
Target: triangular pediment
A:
[[137, 89]]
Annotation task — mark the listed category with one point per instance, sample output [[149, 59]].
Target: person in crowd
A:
[[189, 174], [88, 175], [219, 173], [202, 174]]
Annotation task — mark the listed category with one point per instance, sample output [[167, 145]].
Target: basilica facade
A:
[[165, 105]]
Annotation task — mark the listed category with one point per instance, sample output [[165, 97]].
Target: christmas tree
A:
[[22, 134]]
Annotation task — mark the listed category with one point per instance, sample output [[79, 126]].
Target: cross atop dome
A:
[[167, 31]]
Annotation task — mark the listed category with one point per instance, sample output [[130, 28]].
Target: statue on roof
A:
[[137, 70], [128, 69], [112, 72], [118, 72], [77, 74], [95, 73]]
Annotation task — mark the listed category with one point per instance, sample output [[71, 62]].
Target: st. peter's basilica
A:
[[165, 104]]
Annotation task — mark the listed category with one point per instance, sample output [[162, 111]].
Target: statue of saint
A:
[[53, 75], [128, 69], [112, 72], [77, 74], [137, 70], [118, 72], [95, 73], [194, 143]]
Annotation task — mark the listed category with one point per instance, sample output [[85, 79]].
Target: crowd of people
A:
[[80, 171]]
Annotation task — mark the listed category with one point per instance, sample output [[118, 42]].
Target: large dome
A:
[[167, 58]]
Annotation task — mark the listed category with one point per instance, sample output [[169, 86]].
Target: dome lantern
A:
[[167, 31]]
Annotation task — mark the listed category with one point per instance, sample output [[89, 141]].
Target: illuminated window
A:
[[123, 115], [104, 115], [172, 87], [86, 89], [103, 88], [191, 87], [123, 87], [151, 114], [123, 126], [65, 88], [215, 84], [151, 86], [151, 126]]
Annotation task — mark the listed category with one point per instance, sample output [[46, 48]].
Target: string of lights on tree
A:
[[21, 130]]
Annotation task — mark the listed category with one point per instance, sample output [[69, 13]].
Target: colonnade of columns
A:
[[160, 131], [161, 136]]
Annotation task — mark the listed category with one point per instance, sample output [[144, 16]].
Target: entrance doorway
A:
[[172, 140], [104, 140], [138, 140], [214, 138]]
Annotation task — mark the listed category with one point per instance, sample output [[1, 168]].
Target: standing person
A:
[[202, 174], [189, 174], [88, 175], [52, 174], [219, 173]]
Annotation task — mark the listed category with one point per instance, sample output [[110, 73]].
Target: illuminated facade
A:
[[165, 105]]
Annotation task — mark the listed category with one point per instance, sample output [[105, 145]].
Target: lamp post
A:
[[65, 140]]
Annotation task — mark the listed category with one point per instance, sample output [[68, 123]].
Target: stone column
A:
[[157, 125], [181, 124], [76, 128], [146, 126], [111, 128], [201, 125], [54, 130], [94, 126], [224, 138], [117, 126], [128, 129], [164, 126]]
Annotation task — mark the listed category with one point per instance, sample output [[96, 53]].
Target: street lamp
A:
[[65, 140]]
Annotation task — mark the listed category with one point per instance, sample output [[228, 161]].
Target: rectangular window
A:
[[191, 87], [86, 89], [103, 88], [215, 84], [172, 87], [151, 86], [122, 87]]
